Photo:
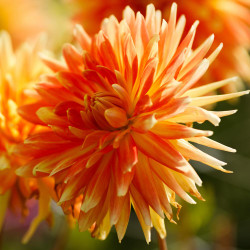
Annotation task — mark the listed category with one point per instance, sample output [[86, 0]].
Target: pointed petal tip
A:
[[227, 171], [34, 171], [235, 78], [209, 133], [234, 111], [193, 202], [128, 170], [174, 6], [121, 192], [199, 182], [194, 26], [173, 221], [78, 26], [223, 163]]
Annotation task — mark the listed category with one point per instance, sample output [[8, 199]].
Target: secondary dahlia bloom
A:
[[90, 14], [229, 20], [18, 71], [17, 17], [121, 108]]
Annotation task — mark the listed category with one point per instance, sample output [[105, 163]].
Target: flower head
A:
[[18, 71], [121, 110], [227, 19]]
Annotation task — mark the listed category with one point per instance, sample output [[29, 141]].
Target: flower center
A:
[[107, 110]]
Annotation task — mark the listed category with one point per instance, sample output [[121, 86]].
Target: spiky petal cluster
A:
[[121, 111], [229, 20], [18, 71]]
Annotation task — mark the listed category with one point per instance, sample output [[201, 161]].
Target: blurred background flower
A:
[[18, 71], [25, 19], [22, 19]]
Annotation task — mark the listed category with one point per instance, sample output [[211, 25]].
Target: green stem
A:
[[162, 243], [63, 235]]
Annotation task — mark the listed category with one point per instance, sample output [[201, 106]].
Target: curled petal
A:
[[116, 117]]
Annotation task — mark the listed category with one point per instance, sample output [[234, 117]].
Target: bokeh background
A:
[[222, 222]]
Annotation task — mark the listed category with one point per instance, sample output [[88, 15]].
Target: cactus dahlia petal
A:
[[229, 20]]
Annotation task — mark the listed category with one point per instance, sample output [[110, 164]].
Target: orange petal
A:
[[170, 130], [143, 175], [159, 150], [141, 204], [98, 184], [127, 153], [163, 196], [73, 58], [211, 143], [122, 180], [76, 185], [158, 224], [75, 83], [28, 112], [116, 204], [47, 140], [191, 152], [53, 64], [172, 108], [122, 223], [44, 209], [167, 177], [116, 117], [196, 114], [47, 115], [82, 37], [145, 228]]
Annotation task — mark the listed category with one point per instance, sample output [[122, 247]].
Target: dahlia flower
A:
[[229, 20], [120, 109], [18, 71]]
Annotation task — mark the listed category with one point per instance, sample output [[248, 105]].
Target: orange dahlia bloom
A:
[[121, 108], [229, 20], [18, 71]]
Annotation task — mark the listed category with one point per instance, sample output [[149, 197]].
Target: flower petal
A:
[[44, 209], [127, 153], [116, 117], [122, 223], [98, 184], [154, 147], [169, 130]]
